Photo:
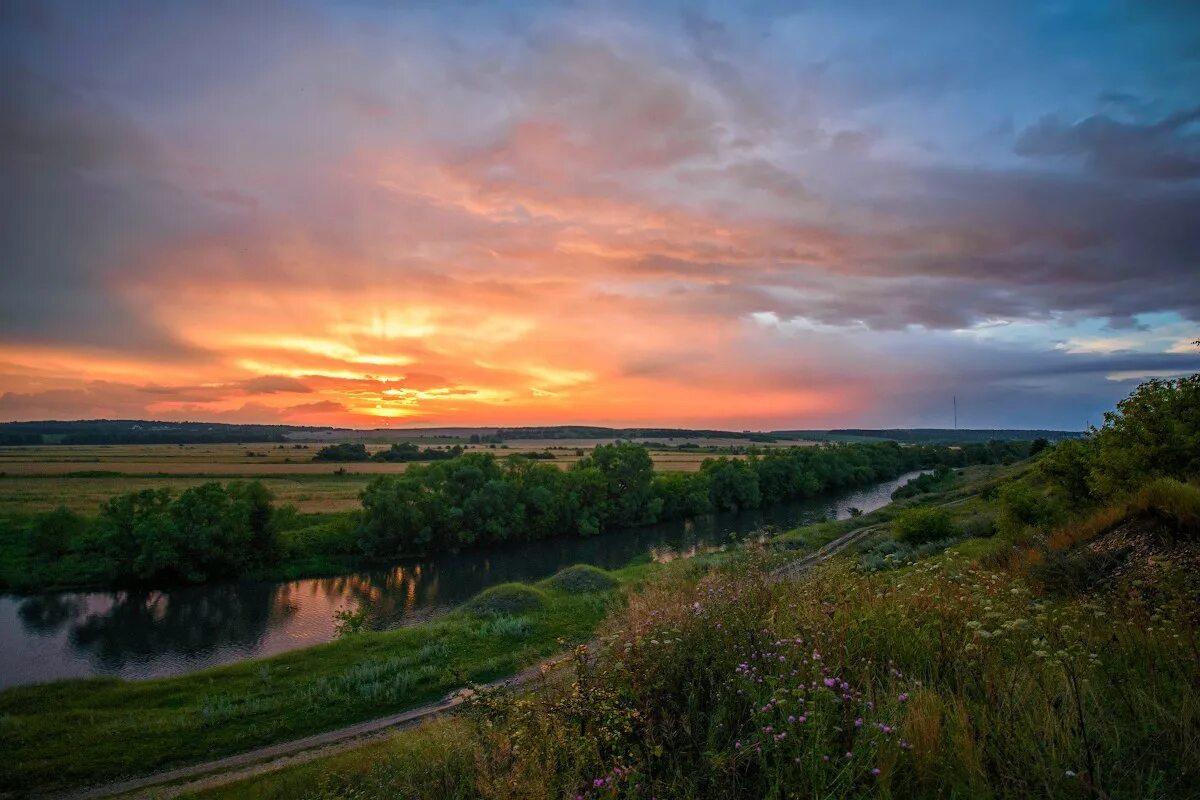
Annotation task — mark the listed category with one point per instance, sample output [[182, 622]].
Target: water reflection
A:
[[156, 633]]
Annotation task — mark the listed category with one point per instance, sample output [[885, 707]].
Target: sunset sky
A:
[[752, 215]]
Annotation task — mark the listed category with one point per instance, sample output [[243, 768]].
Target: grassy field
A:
[[72, 733], [39, 478], [101, 729], [1060, 663]]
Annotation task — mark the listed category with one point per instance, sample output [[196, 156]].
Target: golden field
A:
[[81, 477]]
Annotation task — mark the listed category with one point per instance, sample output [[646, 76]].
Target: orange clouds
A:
[[577, 214]]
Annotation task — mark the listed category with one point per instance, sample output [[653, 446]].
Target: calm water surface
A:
[[157, 633]]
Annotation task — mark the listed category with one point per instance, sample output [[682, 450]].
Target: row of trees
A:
[[476, 499], [208, 532], [214, 531], [398, 452]]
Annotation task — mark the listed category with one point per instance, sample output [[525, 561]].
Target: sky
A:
[[750, 215]]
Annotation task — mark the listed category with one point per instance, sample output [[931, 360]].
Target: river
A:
[[147, 634]]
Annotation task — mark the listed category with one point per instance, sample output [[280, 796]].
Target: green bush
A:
[[507, 599], [919, 525], [1021, 507], [580, 579], [979, 525], [1155, 432]]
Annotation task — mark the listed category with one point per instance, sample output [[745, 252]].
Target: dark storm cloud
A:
[[1165, 150], [81, 200]]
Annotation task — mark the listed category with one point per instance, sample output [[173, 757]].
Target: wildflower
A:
[[903, 697], [1070, 773], [875, 771], [858, 723]]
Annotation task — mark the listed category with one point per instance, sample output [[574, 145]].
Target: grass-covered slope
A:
[[72, 733], [1028, 631], [978, 671]]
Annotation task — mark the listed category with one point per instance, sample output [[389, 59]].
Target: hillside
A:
[[1025, 631]]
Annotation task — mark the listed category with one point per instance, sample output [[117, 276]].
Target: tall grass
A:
[[943, 679]]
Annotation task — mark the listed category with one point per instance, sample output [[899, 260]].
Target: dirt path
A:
[[824, 553], [174, 782]]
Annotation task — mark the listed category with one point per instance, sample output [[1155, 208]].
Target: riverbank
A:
[[1054, 661], [220, 532], [151, 634], [74, 733]]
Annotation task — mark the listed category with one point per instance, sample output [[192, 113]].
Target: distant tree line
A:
[[399, 452], [478, 499], [597, 432], [929, 435], [104, 431]]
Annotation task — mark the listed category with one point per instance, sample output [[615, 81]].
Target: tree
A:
[[1155, 432], [919, 525], [56, 532], [733, 482], [345, 451], [628, 473], [683, 495], [395, 518], [1068, 467]]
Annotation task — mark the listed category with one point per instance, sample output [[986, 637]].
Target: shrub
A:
[[918, 525], [580, 579], [979, 525], [891, 554], [1021, 507], [507, 599]]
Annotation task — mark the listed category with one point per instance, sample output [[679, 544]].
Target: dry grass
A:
[[82, 477], [309, 493]]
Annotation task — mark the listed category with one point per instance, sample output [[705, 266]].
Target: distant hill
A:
[[927, 435], [595, 432], [135, 431], [138, 431]]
